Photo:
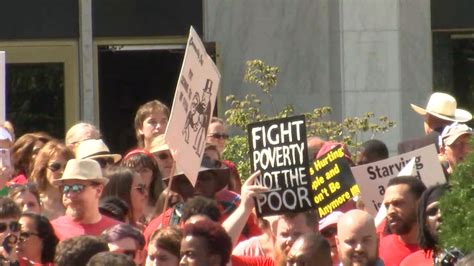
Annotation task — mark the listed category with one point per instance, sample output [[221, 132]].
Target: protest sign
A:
[[2, 87], [193, 105], [278, 149], [332, 182], [373, 178]]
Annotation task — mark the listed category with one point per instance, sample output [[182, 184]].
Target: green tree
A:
[[457, 208], [248, 110]]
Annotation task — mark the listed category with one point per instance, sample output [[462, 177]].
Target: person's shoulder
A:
[[109, 221], [251, 261], [419, 257]]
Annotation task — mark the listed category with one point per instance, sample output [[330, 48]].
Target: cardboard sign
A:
[[373, 178], [2, 88], [332, 182], [278, 148], [193, 106]]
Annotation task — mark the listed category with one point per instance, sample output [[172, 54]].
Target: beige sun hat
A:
[[94, 149], [452, 132], [158, 144], [443, 106], [82, 169]]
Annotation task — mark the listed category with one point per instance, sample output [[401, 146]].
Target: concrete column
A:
[[86, 64], [384, 61]]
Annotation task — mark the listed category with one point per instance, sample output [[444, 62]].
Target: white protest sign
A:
[[193, 106], [373, 178], [2, 87]]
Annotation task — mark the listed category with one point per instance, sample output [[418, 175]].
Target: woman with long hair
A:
[[129, 186], [24, 151], [49, 165], [37, 242], [144, 163]]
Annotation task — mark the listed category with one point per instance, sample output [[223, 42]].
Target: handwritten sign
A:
[[193, 106], [373, 178], [2, 88], [332, 182], [278, 149]]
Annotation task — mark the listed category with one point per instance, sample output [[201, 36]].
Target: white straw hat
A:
[[94, 149], [443, 106], [82, 169]]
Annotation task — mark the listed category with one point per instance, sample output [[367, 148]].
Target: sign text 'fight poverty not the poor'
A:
[[278, 149]]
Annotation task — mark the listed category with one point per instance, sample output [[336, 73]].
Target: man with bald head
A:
[[356, 239]]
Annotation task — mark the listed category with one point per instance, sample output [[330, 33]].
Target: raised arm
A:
[[236, 221]]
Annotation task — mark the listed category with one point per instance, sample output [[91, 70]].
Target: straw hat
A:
[[158, 144], [82, 169], [443, 106], [94, 149]]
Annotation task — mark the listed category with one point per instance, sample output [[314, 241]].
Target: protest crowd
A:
[[307, 202], [77, 203]]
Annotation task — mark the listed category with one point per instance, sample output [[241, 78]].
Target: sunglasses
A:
[[128, 252], [14, 226], [432, 211], [24, 187], [219, 135], [104, 162], [56, 166], [141, 189], [75, 188], [329, 232], [25, 235], [162, 156]]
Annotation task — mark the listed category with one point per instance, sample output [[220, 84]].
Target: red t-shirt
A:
[[419, 258], [66, 228], [392, 251], [251, 261]]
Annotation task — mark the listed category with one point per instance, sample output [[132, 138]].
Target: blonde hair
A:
[[74, 134]]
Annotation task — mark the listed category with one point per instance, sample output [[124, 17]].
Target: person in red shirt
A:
[[81, 184], [429, 221], [211, 178], [401, 199]]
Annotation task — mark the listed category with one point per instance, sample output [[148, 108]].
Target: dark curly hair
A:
[[218, 242], [46, 233], [78, 250], [425, 239], [201, 205]]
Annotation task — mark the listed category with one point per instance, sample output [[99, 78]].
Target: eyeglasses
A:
[[103, 162], [141, 189], [56, 166], [219, 135], [329, 232], [25, 235], [24, 187], [14, 226], [74, 188]]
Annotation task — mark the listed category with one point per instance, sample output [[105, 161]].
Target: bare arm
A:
[[236, 221]]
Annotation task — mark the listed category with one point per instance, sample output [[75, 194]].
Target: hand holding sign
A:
[[249, 191]]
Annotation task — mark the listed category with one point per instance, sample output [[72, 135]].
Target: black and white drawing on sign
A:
[[198, 117]]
